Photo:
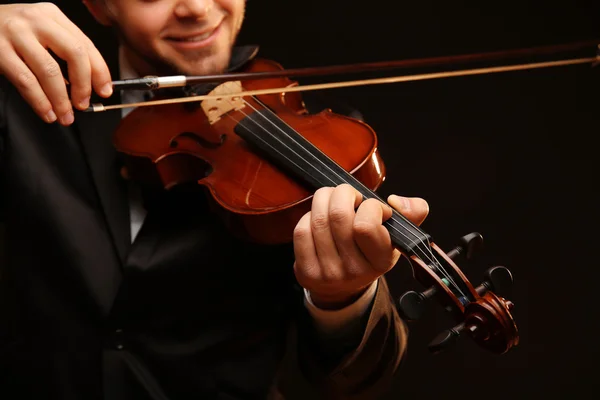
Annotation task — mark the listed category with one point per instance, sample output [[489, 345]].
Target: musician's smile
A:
[[174, 37]]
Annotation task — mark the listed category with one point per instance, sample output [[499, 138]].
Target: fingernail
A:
[[50, 116], [106, 90], [67, 119], [84, 103], [404, 202]]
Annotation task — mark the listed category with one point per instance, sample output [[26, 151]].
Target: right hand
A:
[[27, 31]]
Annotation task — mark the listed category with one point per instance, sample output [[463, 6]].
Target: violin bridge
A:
[[216, 108]]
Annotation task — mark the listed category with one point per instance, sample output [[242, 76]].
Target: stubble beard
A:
[[149, 63], [201, 63]]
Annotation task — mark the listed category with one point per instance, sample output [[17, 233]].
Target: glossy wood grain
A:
[[256, 198]]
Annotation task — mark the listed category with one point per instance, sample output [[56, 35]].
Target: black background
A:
[[510, 155]]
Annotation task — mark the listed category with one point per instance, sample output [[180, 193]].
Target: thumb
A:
[[415, 209]]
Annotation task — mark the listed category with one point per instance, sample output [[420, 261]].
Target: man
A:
[[104, 296]]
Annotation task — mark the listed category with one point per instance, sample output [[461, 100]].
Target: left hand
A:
[[339, 251]]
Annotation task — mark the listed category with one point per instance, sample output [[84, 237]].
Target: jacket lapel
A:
[[96, 130]]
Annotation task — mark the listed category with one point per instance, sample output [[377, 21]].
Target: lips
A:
[[194, 36]]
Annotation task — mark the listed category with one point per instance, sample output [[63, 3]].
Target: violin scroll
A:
[[480, 312]]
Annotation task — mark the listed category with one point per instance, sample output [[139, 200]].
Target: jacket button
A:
[[118, 340]]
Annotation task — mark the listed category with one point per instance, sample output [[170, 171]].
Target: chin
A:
[[202, 64], [211, 66]]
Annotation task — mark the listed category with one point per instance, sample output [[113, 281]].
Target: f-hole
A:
[[197, 139]]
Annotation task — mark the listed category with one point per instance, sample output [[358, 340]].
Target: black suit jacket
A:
[[185, 312]]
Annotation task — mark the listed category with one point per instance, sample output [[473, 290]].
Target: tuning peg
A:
[[499, 280], [449, 337], [412, 304], [469, 243]]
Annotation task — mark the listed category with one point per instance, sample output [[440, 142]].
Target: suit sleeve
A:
[[2, 139], [2, 117], [359, 363], [3, 100]]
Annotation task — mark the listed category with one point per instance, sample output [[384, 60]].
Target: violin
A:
[[260, 155]]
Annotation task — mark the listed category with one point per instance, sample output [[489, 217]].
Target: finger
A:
[[372, 237], [414, 209], [325, 246], [343, 202], [74, 51], [305, 253], [48, 74], [26, 83], [100, 73]]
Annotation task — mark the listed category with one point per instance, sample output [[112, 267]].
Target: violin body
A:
[[257, 199], [262, 156]]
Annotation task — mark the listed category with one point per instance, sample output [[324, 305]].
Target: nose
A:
[[193, 8]]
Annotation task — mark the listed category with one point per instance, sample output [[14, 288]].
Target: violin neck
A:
[[289, 150]]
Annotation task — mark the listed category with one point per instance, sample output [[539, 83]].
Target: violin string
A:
[[429, 256]]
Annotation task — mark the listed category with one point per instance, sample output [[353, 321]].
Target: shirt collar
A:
[[126, 71]]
